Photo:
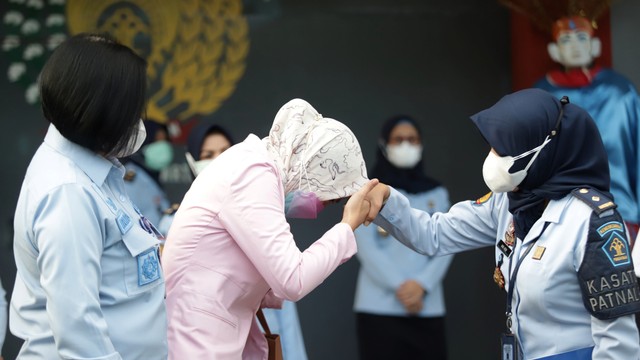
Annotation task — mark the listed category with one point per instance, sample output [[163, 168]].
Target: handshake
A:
[[364, 205]]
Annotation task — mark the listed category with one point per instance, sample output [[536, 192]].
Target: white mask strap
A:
[[537, 150]]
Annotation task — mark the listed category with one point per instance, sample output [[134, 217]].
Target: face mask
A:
[[158, 155], [200, 165], [495, 170], [405, 155], [197, 166], [302, 205], [135, 142]]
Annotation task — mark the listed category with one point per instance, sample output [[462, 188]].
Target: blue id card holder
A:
[[509, 346]]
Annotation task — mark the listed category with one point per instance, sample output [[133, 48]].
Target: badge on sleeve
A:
[[607, 277], [148, 267], [483, 199]]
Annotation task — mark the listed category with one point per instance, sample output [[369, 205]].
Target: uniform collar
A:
[[552, 214], [92, 164]]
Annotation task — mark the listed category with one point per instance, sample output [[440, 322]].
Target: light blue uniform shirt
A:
[[386, 263], [145, 192], [548, 313], [89, 284]]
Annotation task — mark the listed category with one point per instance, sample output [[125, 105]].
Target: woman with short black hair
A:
[[89, 282], [93, 91]]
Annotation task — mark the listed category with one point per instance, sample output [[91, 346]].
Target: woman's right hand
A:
[[358, 207], [377, 198]]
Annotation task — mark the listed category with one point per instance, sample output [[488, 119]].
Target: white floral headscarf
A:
[[333, 164]]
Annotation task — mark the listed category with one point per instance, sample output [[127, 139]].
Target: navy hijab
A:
[[412, 180], [574, 158], [199, 133]]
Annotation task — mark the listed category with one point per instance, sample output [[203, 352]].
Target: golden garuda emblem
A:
[[195, 49]]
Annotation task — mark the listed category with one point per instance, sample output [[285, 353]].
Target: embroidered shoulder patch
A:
[[483, 199], [148, 267], [607, 277]]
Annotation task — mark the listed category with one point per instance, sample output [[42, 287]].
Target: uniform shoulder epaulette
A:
[[596, 200]]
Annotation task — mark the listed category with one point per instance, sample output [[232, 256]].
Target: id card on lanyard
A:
[[508, 341], [509, 345]]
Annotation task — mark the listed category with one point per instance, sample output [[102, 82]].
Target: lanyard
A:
[[512, 277]]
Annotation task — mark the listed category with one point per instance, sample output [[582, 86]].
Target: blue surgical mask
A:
[[158, 155]]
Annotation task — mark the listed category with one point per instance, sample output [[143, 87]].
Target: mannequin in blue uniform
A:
[[610, 99], [142, 179], [206, 141], [562, 251], [399, 301]]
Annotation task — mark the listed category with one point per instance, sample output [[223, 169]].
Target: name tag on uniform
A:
[[148, 267], [506, 250]]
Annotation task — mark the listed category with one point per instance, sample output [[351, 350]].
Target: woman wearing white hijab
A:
[[230, 251]]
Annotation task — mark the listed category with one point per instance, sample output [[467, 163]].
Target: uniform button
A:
[[123, 198]]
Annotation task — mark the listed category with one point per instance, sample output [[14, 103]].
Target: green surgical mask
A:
[[158, 155]]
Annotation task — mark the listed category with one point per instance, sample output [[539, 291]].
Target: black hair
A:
[[93, 91]]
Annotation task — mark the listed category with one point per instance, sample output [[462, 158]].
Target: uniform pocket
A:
[[142, 269]]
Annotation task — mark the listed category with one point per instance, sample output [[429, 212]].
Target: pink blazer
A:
[[228, 246]]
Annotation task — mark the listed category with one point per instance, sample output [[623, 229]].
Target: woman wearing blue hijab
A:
[[399, 300], [561, 249]]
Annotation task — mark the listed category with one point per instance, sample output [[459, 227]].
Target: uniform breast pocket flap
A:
[[142, 267]]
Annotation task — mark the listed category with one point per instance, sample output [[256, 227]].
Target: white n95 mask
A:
[[196, 166], [495, 169], [405, 155], [135, 141]]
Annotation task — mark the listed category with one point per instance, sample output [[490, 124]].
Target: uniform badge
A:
[[124, 222], [615, 247], [148, 267], [537, 255], [112, 206], [483, 199], [498, 277], [382, 232], [510, 235], [607, 277], [129, 175]]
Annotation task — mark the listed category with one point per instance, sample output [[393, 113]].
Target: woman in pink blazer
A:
[[230, 251]]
